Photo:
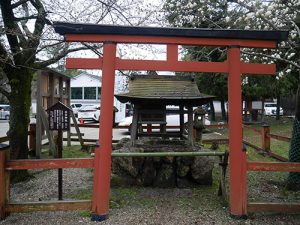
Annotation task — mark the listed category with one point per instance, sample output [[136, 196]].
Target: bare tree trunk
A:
[[20, 101]]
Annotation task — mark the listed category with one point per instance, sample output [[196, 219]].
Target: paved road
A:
[[93, 133], [89, 133]]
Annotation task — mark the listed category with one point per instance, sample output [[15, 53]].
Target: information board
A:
[[59, 117]]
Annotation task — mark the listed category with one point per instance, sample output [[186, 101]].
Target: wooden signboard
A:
[[59, 119]]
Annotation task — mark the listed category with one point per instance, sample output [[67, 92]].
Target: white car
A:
[[270, 109], [4, 112], [172, 120], [75, 107], [89, 113], [97, 115]]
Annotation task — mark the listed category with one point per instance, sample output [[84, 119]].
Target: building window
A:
[[99, 93], [76, 93], [89, 93]]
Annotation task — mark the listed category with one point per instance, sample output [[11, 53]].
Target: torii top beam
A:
[[172, 37], [182, 36]]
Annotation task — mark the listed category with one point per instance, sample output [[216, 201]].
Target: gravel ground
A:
[[159, 206]]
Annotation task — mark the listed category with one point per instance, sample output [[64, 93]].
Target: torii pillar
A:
[[101, 187]]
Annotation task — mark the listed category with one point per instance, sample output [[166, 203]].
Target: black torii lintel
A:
[[84, 28]]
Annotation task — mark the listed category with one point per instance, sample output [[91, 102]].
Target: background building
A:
[[86, 90]]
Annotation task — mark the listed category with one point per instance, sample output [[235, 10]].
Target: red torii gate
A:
[[110, 36]]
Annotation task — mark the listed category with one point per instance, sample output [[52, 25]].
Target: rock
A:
[[168, 159], [182, 170], [165, 177], [201, 170], [187, 160], [165, 171], [148, 173], [124, 166]]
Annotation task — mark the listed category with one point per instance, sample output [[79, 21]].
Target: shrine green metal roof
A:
[[169, 90]]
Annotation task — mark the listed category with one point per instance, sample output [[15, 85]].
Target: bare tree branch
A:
[[123, 73], [272, 57], [4, 92], [10, 25], [93, 48], [26, 18], [115, 8], [24, 21], [61, 55], [4, 55], [15, 5], [39, 23]]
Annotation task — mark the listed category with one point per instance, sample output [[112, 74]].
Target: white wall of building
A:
[[84, 81]]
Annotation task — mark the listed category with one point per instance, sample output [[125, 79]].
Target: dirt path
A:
[[133, 206]]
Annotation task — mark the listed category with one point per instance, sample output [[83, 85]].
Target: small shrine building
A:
[[150, 94]]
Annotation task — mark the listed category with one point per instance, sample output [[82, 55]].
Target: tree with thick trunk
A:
[[19, 63], [28, 44]]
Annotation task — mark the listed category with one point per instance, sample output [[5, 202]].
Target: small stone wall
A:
[[162, 171]]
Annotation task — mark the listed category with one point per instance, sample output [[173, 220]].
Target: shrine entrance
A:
[[110, 36]]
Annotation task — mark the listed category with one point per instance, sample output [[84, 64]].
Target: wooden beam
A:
[[273, 166], [256, 68], [84, 63], [125, 127], [4, 186], [273, 207], [172, 53], [134, 126], [161, 65], [49, 206], [278, 157], [279, 137], [45, 122], [252, 128], [178, 66], [169, 40], [220, 126], [86, 125], [163, 154], [171, 64], [159, 134], [102, 169], [27, 164], [190, 125], [237, 166], [77, 129], [219, 141], [258, 149]]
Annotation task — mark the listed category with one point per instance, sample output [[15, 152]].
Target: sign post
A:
[[59, 119]]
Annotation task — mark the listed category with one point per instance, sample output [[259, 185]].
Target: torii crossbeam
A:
[[110, 36]]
